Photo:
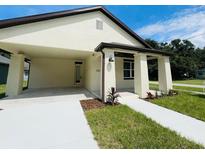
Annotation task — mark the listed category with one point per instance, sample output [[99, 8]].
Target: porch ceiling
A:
[[31, 51]]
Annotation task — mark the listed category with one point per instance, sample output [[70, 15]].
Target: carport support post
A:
[[15, 75], [109, 72], [164, 74], [141, 81]]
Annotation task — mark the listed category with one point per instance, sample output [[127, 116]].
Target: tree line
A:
[[185, 60]]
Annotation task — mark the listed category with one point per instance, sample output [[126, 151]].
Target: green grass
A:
[[188, 88], [186, 103], [121, 127], [195, 82], [153, 86], [2, 88]]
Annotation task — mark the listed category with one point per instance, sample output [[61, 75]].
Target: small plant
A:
[[156, 94], [112, 96], [150, 95], [163, 94], [172, 92]]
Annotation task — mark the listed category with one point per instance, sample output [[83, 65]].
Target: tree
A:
[[186, 59]]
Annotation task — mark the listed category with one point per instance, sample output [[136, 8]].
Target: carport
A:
[[50, 67]]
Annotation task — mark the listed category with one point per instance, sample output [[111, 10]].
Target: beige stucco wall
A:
[[47, 72], [75, 32], [93, 74], [120, 82]]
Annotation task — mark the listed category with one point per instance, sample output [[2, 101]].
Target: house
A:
[[200, 74], [87, 47]]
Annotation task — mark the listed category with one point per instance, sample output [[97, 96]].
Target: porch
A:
[[125, 68]]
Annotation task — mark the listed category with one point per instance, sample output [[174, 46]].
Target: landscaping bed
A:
[[91, 104], [121, 127]]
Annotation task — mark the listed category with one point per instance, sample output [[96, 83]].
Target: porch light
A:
[[111, 59]]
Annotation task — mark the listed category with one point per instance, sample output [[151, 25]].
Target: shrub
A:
[[112, 96], [172, 92], [150, 95]]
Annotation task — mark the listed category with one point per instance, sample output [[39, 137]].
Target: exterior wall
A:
[[52, 73], [120, 82], [75, 32], [200, 74], [93, 74]]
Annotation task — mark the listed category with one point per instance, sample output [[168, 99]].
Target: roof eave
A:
[[103, 45]]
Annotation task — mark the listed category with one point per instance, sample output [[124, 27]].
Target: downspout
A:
[[103, 76]]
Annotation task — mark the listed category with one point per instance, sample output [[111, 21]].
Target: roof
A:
[[48, 16], [103, 45]]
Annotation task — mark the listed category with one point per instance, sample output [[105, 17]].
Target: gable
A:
[[76, 32]]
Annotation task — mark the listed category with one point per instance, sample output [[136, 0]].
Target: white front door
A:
[[78, 73]]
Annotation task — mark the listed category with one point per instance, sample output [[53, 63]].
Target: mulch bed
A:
[[91, 104]]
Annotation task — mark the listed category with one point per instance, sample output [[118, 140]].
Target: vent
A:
[[99, 25]]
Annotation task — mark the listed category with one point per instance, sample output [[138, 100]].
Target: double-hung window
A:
[[128, 69]]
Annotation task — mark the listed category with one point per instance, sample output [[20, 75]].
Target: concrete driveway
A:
[[48, 118]]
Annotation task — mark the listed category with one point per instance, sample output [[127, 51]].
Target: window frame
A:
[[130, 69]]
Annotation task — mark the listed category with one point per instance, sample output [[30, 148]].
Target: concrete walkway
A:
[[182, 85], [189, 85], [49, 118], [186, 126]]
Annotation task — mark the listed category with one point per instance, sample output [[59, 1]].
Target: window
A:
[[128, 69], [99, 25]]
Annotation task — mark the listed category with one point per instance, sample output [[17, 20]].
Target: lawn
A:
[[153, 86], [188, 88], [189, 104], [3, 87], [121, 127], [182, 88], [195, 82]]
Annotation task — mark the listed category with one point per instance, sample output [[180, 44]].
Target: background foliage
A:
[[186, 58]]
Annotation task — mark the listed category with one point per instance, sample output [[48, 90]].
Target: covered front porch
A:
[[126, 69]]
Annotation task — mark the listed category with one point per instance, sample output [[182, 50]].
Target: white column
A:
[[164, 74], [141, 80], [109, 72], [15, 75], [101, 78]]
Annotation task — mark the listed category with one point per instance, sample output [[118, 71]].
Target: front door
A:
[[78, 73]]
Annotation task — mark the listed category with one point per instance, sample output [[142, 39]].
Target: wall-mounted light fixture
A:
[[111, 59]]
